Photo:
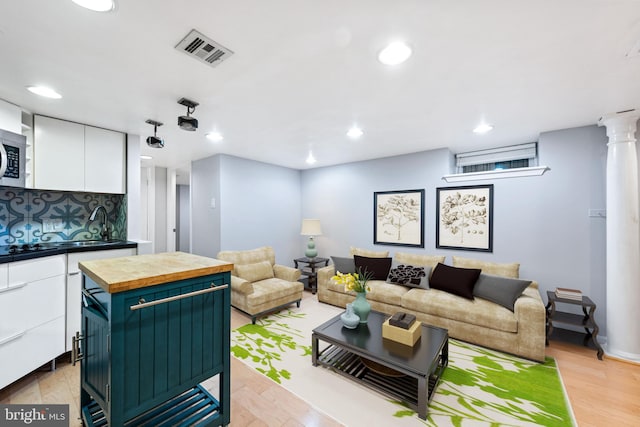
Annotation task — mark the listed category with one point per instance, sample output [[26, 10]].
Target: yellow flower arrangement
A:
[[356, 282]]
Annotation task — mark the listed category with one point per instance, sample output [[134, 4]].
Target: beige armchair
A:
[[258, 284]]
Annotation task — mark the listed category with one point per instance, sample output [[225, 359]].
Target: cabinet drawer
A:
[[28, 306], [35, 269], [31, 350]]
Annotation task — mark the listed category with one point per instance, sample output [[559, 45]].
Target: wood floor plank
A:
[[602, 393]]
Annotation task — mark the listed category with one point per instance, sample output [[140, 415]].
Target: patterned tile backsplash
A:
[[24, 211]]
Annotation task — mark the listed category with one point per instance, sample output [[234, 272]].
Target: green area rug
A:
[[479, 387]]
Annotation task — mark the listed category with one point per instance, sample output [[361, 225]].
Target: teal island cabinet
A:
[[154, 327]]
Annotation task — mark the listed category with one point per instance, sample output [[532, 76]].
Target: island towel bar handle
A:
[[143, 304]]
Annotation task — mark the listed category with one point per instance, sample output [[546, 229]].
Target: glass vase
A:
[[361, 306], [349, 318]]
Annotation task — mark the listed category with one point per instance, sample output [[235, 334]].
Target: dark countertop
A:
[[57, 248]]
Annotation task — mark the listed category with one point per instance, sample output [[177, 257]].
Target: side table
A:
[[309, 270], [585, 321]]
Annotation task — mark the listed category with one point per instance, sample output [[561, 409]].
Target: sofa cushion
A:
[[501, 290], [458, 281], [409, 275], [377, 267], [418, 260], [505, 270], [381, 291], [366, 252], [255, 272], [478, 312], [344, 264]]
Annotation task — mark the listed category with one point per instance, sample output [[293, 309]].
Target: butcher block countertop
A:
[[138, 271]]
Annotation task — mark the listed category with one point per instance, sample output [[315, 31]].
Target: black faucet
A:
[[104, 234]]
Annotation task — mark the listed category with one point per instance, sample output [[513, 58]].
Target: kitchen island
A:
[[154, 327]]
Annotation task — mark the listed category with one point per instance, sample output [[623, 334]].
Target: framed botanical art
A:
[[465, 218], [398, 218]]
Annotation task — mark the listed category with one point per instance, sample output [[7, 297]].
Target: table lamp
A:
[[311, 227]]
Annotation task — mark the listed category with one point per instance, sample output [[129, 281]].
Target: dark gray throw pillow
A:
[[409, 275], [455, 280], [501, 290], [344, 264], [377, 267]]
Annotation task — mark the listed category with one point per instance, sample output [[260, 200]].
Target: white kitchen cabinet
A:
[[104, 161], [32, 316], [74, 286], [75, 157], [4, 276]]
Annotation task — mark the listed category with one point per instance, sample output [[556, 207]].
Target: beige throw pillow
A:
[[255, 272], [511, 270], [369, 254]]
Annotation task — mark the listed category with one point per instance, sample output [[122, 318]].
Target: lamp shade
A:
[[311, 227]]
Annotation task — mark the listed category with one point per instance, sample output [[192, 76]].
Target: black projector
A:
[[155, 142], [187, 123]]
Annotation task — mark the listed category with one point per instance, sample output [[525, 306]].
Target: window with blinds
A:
[[511, 157]]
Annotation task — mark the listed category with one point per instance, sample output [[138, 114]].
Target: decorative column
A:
[[623, 236]]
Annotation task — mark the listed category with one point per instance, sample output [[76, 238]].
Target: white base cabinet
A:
[[74, 286], [32, 315]]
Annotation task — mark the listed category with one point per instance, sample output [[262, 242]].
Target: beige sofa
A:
[[258, 284], [478, 321]]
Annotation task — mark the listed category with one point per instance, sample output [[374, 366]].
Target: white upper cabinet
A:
[[74, 157], [58, 152], [104, 161]]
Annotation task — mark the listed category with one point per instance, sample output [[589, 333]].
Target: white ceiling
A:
[[304, 71]]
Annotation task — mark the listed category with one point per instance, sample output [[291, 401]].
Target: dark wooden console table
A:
[[586, 321], [312, 265]]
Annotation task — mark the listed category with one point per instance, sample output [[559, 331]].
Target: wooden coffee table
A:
[[410, 374]]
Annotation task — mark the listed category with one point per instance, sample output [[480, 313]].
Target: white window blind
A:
[[496, 155]]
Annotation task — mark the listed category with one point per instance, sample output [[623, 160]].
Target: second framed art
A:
[[398, 218], [465, 218]]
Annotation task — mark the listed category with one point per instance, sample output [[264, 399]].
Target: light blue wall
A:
[[257, 204], [205, 220], [540, 222]]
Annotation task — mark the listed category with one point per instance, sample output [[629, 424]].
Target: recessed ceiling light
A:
[[44, 91], [354, 132], [310, 159], [394, 54], [483, 128], [146, 157], [97, 5], [214, 136]]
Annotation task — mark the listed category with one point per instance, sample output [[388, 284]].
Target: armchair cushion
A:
[[255, 271], [286, 273], [240, 285]]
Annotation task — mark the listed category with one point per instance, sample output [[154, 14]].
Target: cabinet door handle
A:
[[14, 287], [74, 273], [12, 337], [76, 354], [143, 304]]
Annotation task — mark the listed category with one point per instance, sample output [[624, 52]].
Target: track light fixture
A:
[[187, 122], [155, 141]]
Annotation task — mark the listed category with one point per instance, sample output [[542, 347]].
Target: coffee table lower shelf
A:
[[402, 387]]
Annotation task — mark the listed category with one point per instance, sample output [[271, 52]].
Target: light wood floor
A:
[[602, 393]]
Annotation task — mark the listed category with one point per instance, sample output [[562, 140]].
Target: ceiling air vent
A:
[[203, 49]]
